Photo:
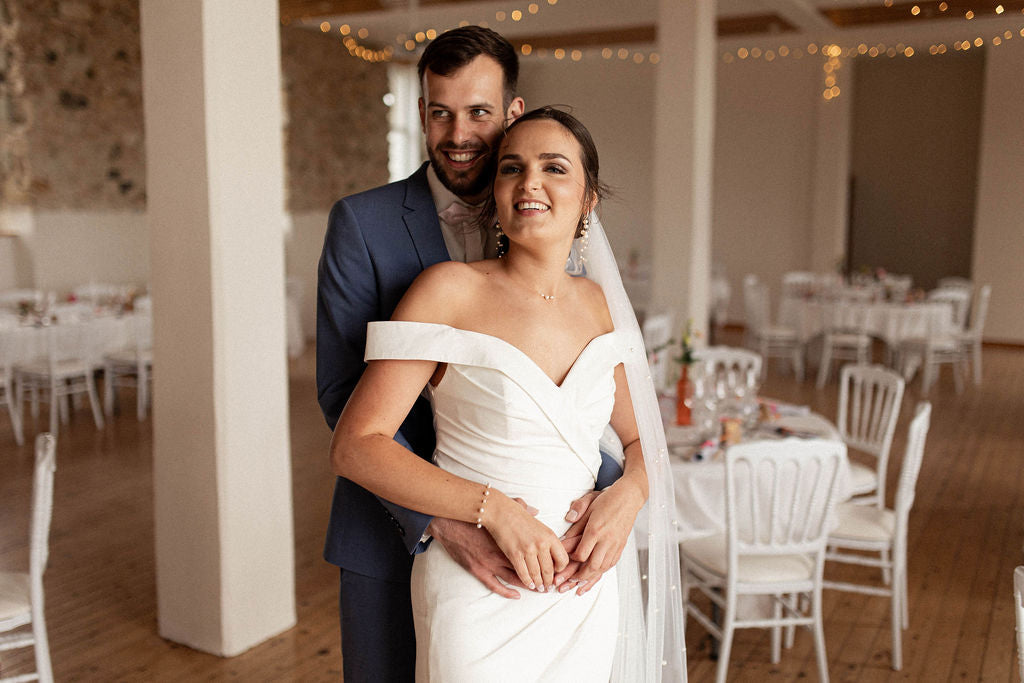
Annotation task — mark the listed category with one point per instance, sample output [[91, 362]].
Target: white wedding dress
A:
[[501, 419]]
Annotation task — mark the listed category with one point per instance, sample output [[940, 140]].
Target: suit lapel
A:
[[421, 220]]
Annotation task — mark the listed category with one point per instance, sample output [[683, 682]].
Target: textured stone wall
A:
[[336, 138], [71, 124], [83, 96]]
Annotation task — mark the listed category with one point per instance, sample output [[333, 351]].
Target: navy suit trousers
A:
[[378, 642]]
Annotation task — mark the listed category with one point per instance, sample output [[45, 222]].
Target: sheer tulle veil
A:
[[651, 646]]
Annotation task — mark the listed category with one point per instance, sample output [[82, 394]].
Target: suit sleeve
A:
[[348, 298]]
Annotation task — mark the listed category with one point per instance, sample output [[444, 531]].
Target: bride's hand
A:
[[534, 550], [608, 522]]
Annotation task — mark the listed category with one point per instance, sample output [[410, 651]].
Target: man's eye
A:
[[479, 113], [439, 114]]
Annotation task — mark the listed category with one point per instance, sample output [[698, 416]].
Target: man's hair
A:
[[456, 48]]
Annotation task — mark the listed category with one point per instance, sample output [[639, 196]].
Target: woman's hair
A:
[[592, 186]]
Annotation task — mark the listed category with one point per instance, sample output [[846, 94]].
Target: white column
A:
[[684, 105], [222, 477], [830, 208], [998, 257]]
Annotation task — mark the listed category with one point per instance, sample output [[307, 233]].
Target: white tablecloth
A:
[[102, 334], [700, 486], [891, 322]]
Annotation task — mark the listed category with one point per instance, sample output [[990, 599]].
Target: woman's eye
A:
[[555, 169], [508, 169]]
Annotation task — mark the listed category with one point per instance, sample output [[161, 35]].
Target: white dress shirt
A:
[[463, 245]]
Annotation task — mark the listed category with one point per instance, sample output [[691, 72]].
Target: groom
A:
[[377, 242]]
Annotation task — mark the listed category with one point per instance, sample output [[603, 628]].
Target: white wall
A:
[[71, 248], [999, 217], [766, 117], [302, 254], [613, 100]]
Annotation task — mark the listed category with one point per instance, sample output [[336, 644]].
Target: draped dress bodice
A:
[[500, 419]]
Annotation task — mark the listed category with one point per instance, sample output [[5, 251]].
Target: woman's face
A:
[[540, 183]]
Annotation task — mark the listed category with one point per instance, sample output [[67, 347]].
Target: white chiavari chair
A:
[[957, 297], [72, 353], [771, 341], [844, 337], [1018, 604], [940, 346], [21, 594], [879, 530], [133, 366], [7, 393], [970, 339], [721, 360], [869, 407], [779, 500]]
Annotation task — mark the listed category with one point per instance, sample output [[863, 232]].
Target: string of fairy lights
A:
[[403, 45], [354, 39], [833, 53]]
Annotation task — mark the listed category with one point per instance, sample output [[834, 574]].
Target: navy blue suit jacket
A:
[[377, 242]]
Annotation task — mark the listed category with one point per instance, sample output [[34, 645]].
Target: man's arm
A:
[[348, 298]]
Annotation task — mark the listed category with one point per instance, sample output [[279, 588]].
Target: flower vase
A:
[[683, 417]]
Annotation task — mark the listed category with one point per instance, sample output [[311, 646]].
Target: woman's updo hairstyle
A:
[[592, 187]]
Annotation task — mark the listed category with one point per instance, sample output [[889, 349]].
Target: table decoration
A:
[[685, 359]]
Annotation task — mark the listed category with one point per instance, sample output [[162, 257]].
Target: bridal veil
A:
[[651, 645]]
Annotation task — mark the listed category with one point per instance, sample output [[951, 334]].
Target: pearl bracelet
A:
[[483, 504]]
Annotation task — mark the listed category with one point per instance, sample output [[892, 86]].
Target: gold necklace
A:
[[546, 297]]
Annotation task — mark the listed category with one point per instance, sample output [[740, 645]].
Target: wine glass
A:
[[749, 407]]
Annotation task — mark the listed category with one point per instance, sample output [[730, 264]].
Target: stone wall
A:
[[71, 124], [336, 137], [82, 103]]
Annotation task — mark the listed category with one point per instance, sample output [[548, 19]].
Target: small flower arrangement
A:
[[686, 345]]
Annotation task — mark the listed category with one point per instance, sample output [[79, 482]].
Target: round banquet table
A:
[[700, 485], [890, 322]]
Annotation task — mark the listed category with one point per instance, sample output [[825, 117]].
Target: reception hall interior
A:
[[818, 215]]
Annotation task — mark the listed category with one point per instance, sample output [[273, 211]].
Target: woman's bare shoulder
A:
[[592, 298], [439, 293]]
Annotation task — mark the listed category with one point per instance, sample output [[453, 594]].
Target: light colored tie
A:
[[463, 219], [459, 216]]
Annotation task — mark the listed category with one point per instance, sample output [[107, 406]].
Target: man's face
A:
[[463, 119]]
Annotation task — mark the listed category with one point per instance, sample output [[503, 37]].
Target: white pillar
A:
[[684, 108], [999, 206], [222, 476], [830, 210]]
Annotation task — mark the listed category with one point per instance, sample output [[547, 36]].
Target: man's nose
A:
[[461, 131]]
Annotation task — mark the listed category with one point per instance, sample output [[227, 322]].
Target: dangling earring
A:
[[584, 238], [502, 245]]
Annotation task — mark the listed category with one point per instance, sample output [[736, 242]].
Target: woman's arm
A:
[[363, 450], [609, 519]]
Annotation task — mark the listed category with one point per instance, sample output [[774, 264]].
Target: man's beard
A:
[[466, 184]]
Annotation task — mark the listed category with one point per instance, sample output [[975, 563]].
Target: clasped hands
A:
[[518, 551]]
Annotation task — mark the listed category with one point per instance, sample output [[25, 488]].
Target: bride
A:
[[525, 366]]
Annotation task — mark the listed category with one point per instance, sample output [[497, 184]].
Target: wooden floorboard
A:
[[966, 536]]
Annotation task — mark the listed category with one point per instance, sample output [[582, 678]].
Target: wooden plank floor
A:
[[966, 535]]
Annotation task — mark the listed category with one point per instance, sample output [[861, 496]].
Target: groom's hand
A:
[[477, 553], [570, 577]]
